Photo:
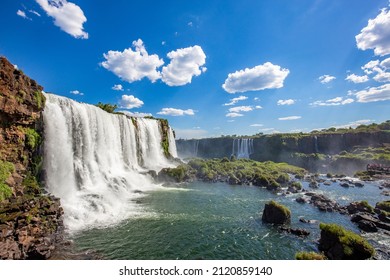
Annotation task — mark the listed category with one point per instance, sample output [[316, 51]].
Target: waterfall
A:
[[196, 147], [95, 162], [172, 143], [242, 147], [315, 144]]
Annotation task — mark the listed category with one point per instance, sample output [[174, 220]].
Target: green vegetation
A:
[[31, 185], [383, 205], [296, 185], [286, 212], [363, 154], [239, 171], [367, 206], [40, 99], [33, 139], [353, 245], [309, 256], [6, 169], [107, 107]]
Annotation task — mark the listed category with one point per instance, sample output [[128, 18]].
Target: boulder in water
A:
[[276, 213]]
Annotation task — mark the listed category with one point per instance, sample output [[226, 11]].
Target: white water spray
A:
[[94, 161], [242, 147]]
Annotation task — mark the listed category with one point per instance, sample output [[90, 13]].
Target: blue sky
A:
[[211, 67]]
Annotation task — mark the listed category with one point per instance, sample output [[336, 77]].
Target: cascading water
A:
[[315, 144], [95, 161], [242, 147], [172, 143], [196, 147]]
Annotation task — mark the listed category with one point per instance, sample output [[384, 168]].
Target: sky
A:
[[217, 67]]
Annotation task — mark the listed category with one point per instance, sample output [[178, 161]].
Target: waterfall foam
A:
[[95, 162], [242, 147]]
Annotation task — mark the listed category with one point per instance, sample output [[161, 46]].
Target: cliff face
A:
[[313, 152], [28, 218]]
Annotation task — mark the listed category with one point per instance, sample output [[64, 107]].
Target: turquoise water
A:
[[217, 221]]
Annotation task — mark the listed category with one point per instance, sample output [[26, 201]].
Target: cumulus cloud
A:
[[117, 87], [357, 79], [337, 101], [233, 101], [257, 125], [379, 69], [324, 79], [240, 109], [376, 35], [258, 107], [290, 118], [266, 76], [354, 124], [130, 101], [373, 94], [76, 92], [286, 102], [133, 65], [185, 63], [67, 16], [176, 112], [234, 115], [35, 13]]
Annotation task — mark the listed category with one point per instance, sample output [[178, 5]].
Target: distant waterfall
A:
[[242, 147], [315, 144], [95, 161], [172, 143], [196, 147]]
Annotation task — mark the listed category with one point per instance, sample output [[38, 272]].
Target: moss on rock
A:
[[309, 256]]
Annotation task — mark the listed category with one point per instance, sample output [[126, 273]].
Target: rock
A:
[[345, 185], [359, 206], [296, 231], [359, 184], [327, 183], [385, 193], [233, 180], [300, 199], [276, 213], [340, 244], [313, 184], [323, 203], [367, 226], [303, 220]]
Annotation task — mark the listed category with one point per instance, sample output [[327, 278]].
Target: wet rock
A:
[[345, 185], [276, 213], [296, 231], [359, 184], [313, 184], [359, 206], [303, 220], [301, 199]]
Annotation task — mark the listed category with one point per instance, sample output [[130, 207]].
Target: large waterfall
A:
[[96, 162], [242, 147]]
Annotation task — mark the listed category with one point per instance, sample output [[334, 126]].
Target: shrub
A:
[[33, 139]]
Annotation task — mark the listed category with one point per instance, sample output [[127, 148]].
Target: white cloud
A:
[[258, 107], [176, 112], [256, 99], [117, 87], [35, 13], [376, 35], [357, 79], [190, 24], [373, 94], [353, 124], [382, 76], [290, 118], [235, 100], [130, 101], [22, 14], [133, 65], [76, 92], [286, 102], [257, 125], [67, 16], [385, 64], [185, 63], [240, 109], [324, 79], [337, 101], [266, 76], [190, 133], [135, 114], [234, 115]]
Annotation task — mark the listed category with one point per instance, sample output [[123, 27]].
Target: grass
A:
[[281, 207]]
